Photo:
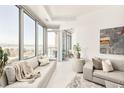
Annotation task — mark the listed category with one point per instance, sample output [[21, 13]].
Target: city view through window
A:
[[40, 39], [29, 37], [9, 37], [9, 30]]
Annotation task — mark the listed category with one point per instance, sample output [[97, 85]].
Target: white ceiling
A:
[[70, 12], [53, 15], [40, 12]]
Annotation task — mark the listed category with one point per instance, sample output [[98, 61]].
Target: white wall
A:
[[88, 29]]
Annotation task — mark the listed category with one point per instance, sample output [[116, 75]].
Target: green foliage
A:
[[5, 57], [3, 60], [1, 53], [77, 47]]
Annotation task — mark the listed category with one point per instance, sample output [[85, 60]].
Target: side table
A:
[[78, 64]]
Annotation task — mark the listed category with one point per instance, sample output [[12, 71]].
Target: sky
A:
[[51, 38], [9, 27], [8, 24], [29, 30]]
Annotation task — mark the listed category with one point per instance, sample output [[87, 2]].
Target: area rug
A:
[[79, 82]]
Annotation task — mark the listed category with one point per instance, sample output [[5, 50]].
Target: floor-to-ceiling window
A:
[[9, 31], [52, 49], [29, 36], [12, 35], [40, 39], [67, 43]]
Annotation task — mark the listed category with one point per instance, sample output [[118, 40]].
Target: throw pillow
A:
[[3, 80], [107, 66], [97, 63], [10, 73], [43, 61], [33, 62]]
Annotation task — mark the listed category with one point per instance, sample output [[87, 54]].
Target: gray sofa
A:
[[41, 82], [108, 79]]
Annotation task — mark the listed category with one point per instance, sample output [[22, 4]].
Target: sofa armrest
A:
[[1, 87], [88, 70]]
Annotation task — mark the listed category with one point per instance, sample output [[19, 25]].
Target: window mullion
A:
[[21, 33], [36, 38]]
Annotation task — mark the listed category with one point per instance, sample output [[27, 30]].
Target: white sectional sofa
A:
[[111, 79], [8, 79]]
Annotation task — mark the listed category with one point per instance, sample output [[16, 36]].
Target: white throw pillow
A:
[[33, 62], [44, 61], [107, 66]]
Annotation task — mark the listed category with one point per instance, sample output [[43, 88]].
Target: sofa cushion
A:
[[115, 76], [33, 62], [118, 64]]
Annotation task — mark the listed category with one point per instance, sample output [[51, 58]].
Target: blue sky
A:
[[8, 24], [29, 30], [9, 27]]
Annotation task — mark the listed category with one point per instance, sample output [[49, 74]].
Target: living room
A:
[[61, 46]]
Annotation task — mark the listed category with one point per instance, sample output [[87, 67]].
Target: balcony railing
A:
[[52, 52]]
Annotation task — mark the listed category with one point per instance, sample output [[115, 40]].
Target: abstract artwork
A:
[[112, 41]]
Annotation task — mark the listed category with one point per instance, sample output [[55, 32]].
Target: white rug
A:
[[79, 82]]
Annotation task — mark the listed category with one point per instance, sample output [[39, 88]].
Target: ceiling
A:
[[69, 12], [40, 12], [53, 15]]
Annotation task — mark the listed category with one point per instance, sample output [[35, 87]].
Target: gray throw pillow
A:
[[10, 73], [97, 63], [3, 80]]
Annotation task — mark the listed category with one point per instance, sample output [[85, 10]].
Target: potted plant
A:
[[77, 50], [3, 60]]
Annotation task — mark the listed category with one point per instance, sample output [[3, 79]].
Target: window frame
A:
[[21, 32]]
